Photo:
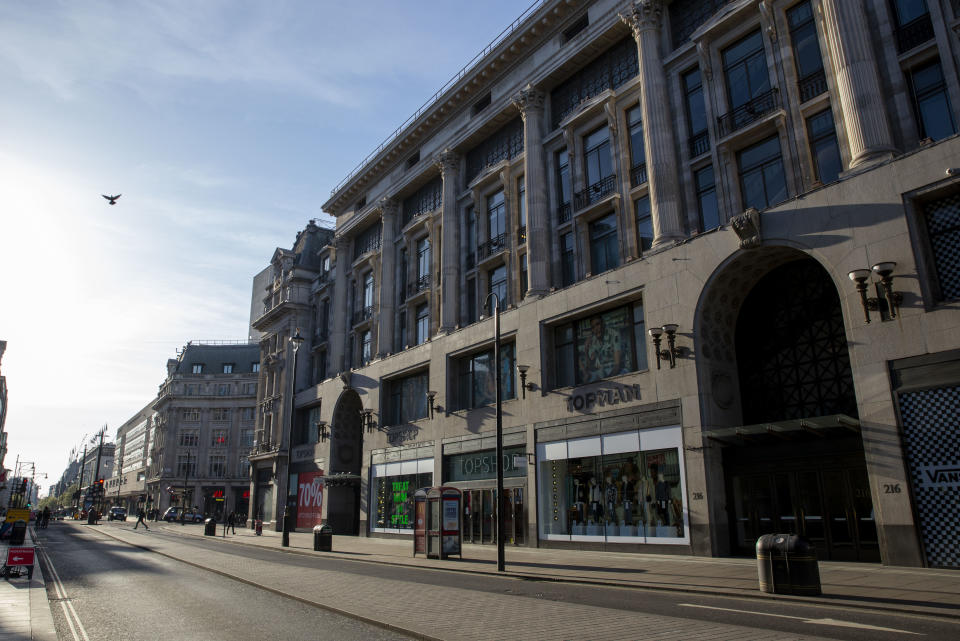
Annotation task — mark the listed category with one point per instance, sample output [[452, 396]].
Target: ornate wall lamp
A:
[[888, 301], [321, 431], [431, 398], [368, 421], [524, 385], [672, 351]]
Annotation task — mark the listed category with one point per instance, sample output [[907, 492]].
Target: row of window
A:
[[217, 466], [223, 389], [218, 438], [193, 414], [225, 368]]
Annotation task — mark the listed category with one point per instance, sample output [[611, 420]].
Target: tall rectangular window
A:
[[823, 146], [638, 153], [524, 280], [600, 346], [423, 259], [641, 208], [189, 438], [564, 187], [597, 163], [404, 269], [745, 69], [218, 438], [806, 51], [762, 180], [930, 101], [604, 249], [407, 399], [942, 219], [496, 216], [423, 323], [471, 256], [402, 342], [476, 378], [707, 198], [696, 113], [568, 266], [186, 465], [471, 300], [368, 291], [366, 347], [521, 210], [498, 285], [218, 466]]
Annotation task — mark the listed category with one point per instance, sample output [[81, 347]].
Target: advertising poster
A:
[[309, 499], [604, 346]]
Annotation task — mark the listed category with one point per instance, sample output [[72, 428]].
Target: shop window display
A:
[[394, 499], [628, 496]]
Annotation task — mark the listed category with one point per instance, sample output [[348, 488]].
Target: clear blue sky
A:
[[224, 125]]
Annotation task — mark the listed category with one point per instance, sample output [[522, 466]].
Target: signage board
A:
[[309, 499], [18, 514], [20, 556]]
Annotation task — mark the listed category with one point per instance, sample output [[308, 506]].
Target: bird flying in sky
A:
[[112, 199]]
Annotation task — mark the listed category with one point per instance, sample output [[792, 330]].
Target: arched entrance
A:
[[346, 459], [780, 418]]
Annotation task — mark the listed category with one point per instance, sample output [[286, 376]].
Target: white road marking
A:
[[831, 622], [69, 613]]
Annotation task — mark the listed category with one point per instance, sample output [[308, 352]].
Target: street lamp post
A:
[[496, 364], [186, 478], [295, 341]]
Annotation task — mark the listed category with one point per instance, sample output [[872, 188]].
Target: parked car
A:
[[117, 513], [173, 514]]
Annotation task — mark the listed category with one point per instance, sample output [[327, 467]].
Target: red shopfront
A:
[[309, 499]]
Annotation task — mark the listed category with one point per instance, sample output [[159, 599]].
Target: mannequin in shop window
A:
[[610, 496], [647, 493], [596, 501], [627, 492]]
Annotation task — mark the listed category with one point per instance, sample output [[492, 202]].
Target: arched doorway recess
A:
[[343, 481]]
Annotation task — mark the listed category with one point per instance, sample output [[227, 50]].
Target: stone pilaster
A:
[[858, 82], [449, 163], [339, 311], [388, 277], [530, 103], [644, 18]]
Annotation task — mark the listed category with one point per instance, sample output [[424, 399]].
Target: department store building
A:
[[724, 240]]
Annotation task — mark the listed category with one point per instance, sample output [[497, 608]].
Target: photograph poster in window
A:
[[604, 346]]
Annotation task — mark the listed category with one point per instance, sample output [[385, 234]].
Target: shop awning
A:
[[796, 429]]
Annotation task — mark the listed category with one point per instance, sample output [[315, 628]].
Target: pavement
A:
[[847, 585], [24, 609]]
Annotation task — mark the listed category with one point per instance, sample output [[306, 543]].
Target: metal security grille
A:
[[943, 229], [792, 349], [932, 440]]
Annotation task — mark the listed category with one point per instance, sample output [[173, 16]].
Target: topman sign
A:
[[600, 398]]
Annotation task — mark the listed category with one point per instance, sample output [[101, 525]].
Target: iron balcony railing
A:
[[564, 211], [492, 246], [699, 143], [638, 174], [749, 112], [595, 192], [418, 286], [914, 33], [812, 85], [362, 314]]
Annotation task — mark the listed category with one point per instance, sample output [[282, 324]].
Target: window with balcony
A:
[[568, 265], [496, 226], [367, 241], [497, 280], [762, 180], [424, 200], [424, 265], [604, 248], [687, 15], [597, 168], [696, 113], [611, 69], [930, 101], [641, 208], [827, 164], [218, 438], [806, 51], [407, 399], [503, 144], [564, 187], [748, 84], [914, 26], [600, 346], [707, 205], [218, 466], [477, 381], [423, 323], [189, 438], [638, 154]]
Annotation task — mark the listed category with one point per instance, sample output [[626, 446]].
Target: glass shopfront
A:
[[626, 487], [392, 489], [475, 474]]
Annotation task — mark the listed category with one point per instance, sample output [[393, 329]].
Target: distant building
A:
[[3, 412], [127, 484], [203, 429]]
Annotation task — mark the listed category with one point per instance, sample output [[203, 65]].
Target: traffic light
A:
[[23, 486]]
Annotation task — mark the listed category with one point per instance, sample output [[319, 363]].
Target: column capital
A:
[[529, 99], [643, 15], [448, 162], [388, 206]]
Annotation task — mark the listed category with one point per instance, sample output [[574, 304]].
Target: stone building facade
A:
[[203, 424], [126, 486], [723, 236]]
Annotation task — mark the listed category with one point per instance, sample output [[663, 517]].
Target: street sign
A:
[[20, 556], [17, 514]]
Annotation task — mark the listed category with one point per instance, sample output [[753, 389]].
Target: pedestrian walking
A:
[[231, 523], [45, 518], [140, 519]]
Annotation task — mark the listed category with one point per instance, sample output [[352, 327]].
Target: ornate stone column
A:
[[644, 18], [530, 103], [340, 310], [858, 82], [449, 163], [388, 277]]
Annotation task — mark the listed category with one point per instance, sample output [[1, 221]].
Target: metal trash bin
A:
[[787, 564], [210, 527], [19, 532], [323, 538]]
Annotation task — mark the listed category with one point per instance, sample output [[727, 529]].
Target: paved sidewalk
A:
[[860, 585], [24, 610]]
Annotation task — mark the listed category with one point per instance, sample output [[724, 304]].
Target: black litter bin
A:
[[19, 532], [323, 538], [210, 527], [787, 564]]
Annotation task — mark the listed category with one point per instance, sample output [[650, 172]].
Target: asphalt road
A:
[[100, 589], [246, 604]]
